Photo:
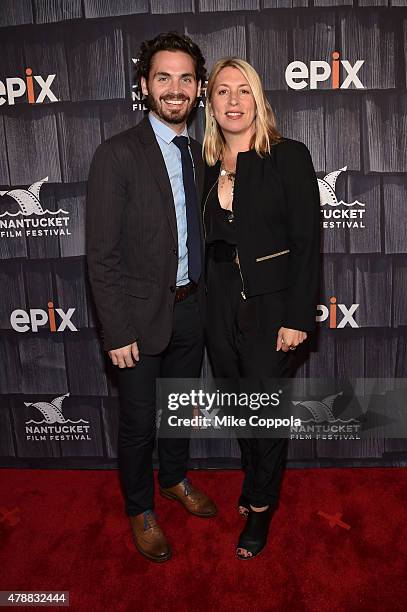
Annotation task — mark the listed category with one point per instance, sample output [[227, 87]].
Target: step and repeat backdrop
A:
[[335, 73]]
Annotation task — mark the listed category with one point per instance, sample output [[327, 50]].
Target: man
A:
[[145, 258]]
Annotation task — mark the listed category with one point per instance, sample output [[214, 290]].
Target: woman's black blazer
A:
[[277, 219]]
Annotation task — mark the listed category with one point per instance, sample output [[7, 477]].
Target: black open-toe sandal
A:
[[254, 535], [244, 503]]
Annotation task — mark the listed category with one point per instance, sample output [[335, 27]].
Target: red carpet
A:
[[65, 530]]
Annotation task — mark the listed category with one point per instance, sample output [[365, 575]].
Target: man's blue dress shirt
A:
[[172, 158]]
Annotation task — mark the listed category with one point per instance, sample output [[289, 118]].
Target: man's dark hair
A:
[[170, 41]]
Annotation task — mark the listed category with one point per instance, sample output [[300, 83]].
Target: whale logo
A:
[[51, 411], [28, 199], [327, 194], [327, 188], [321, 411]]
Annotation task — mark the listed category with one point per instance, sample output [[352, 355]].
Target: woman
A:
[[262, 229]]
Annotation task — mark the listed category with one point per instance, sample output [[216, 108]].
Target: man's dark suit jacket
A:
[[132, 243]]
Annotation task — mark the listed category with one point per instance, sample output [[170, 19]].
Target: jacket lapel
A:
[[158, 171], [196, 150]]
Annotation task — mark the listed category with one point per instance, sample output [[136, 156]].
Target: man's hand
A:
[[123, 357], [289, 339]]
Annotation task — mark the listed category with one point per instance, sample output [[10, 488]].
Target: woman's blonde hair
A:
[[265, 134]]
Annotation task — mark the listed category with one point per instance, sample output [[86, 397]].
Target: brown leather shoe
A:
[[149, 538], [193, 500]]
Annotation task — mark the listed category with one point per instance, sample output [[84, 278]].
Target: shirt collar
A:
[[164, 131]]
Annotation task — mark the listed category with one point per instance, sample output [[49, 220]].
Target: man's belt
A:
[[181, 293]]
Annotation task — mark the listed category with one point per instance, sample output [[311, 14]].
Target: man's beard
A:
[[173, 116]]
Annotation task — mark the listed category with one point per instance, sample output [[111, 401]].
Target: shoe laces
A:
[[149, 519], [187, 486]]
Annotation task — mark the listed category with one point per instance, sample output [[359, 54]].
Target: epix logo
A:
[[33, 87], [297, 74], [54, 318], [337, 315]]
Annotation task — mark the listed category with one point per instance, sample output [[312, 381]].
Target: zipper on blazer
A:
[[242, 293], [204, 207]]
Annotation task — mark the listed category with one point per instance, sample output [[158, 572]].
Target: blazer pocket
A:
[[137, 287], [259, 259]]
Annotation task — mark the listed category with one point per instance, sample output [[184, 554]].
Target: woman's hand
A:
[[289, 339]]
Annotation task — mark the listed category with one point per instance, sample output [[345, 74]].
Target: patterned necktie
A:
[[191, 205]]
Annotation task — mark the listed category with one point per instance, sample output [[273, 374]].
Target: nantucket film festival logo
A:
[[26, 217], [325, 423], [53, 426], [136, 93], [337, 213]]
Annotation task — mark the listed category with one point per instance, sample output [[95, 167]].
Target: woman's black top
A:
[[219, 222]]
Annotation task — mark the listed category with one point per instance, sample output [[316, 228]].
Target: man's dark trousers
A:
[[182, 358]]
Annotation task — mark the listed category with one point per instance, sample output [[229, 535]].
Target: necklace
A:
[[230, 177]]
